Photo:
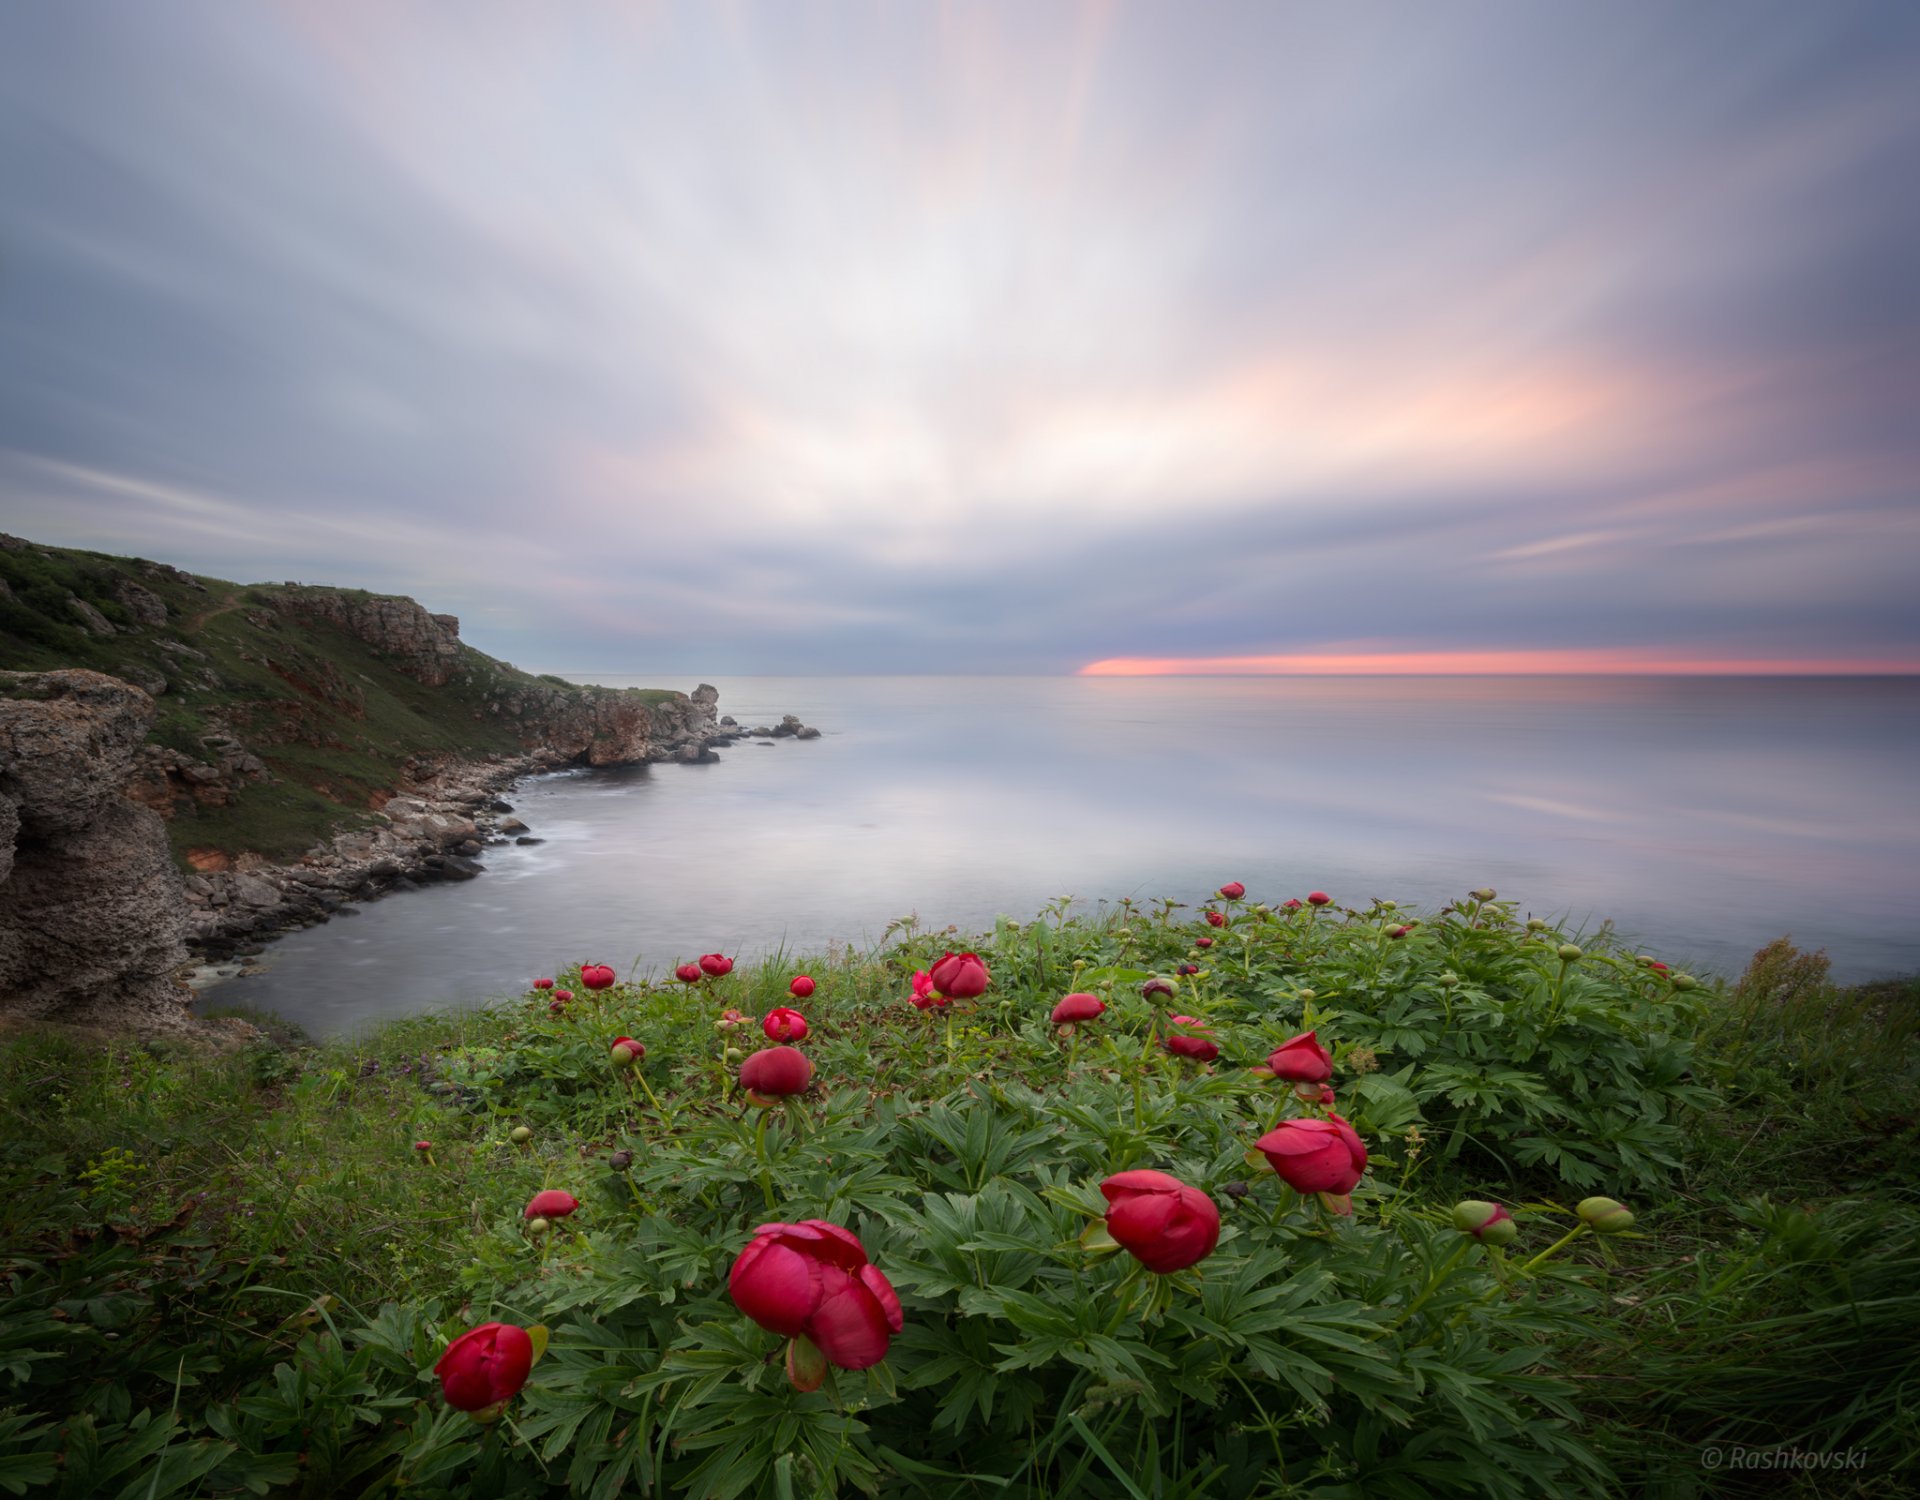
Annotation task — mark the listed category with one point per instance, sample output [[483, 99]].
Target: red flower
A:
[[423, 1145], [961, 976], [1159, 1220], [1215, 918], [596, 976], [924, 996], [1233, 890], [485, 1366], [800, 987], [1318, 898], [1292, 903], [554, 1203], [1302, 1060], [1199, 1048], [626, 1050], [1185, 969], [814, 1279], [688, 973], [1315, 1156], [1203, 942], [774, 1072], [543, 984], [785, 1024], [716, 964], [1078, 1007]]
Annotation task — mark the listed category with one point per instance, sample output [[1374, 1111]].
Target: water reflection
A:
[[1704, 816]]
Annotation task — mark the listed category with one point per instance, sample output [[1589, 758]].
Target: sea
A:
[[1701, 817]]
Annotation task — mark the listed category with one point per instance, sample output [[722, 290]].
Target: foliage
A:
[[234, 1274]]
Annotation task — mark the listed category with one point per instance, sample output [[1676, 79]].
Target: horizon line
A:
[[1568, 663]]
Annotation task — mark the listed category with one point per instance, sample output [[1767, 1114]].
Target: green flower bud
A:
[[1448, 979], [1604, 1215], [519, 1135], [1308, 994], [537, 1227], [1571, 953], [1683, 981], [1534, 924], [1485, 893], [1490, 1223]]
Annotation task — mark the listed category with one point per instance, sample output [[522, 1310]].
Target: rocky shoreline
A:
[[436, 828]]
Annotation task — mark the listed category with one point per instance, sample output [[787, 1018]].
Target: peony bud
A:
[[1534, 924], [596, 976], [519, 1135], [688, 973], [1398, 932], [1682, 981], [800, 987], [718, 965], [1485, 893], [537, 1226], [625, 1052], [543, 984], [1489, 1223], [620, 1160], [1158, 988], [1233, 890], [1186, 969], [552, 1203], [1319, 898], [1604, 1215], [1216, 918], [1078, 1007], [1571, 953], [1308, 994], [1203, 942]]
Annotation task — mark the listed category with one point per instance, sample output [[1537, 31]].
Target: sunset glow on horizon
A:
[[1489, 664]]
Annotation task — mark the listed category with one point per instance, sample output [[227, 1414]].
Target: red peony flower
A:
[[813, 1280], [596, 976], [1215, 918], [717, 965], [1292, 903], [1078, 1007], [543, 984], [554, 1203], [485, 1366], [1301, 1060], [960, 976], [924, 996], [1318, 898], [1159, 1220], [1203, 942], [785, 1024], [775, 1072], [1233, 890], [1198, 1048], [688, 973], [800, 987], [1185, 969], [1315, 1156]]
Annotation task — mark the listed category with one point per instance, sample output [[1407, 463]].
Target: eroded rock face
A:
[[92, 912], [425, 646]]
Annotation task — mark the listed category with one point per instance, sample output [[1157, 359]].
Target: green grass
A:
[[1767, 1299]]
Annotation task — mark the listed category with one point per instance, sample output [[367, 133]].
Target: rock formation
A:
[[92, 913]]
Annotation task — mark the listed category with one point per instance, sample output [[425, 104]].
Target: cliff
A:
[[185, 760]]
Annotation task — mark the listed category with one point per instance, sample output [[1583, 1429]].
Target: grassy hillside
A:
[[332, 718]]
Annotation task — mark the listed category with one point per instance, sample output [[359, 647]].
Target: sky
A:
[[716, 338]]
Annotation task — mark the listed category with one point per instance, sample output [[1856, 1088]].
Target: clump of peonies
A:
[[776, 1073], [1078, 1007], [785, 1024], [484, 1368], [1159, 1220], [960, 976], [1315, 1156], [813, 1283]]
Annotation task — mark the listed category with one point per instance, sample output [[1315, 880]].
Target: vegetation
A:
[[236, 1274], [333, 720]]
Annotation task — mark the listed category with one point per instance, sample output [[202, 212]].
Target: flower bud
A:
[[1484, 893], [620, 1160], [1489, 1223], [733, 1054], [1682, 981], [537, 1226], [1203, 942], [1398, 932], [1604, 1215], [1571, 953], [1308, 994], [806, 1365], [1236, 1190], [1534, 924], [1158, 987], [520, 1135], [1448, 979]]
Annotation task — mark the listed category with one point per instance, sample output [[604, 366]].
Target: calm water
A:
[[1703, 816]]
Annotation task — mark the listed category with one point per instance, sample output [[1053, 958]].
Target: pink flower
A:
[[1292, 903], [688, 973], [716, 964], [813, 1280], [924, 995], [961, 976], [784, 1024], [775, 1072], [1315, 1156], [1301, 1060], [554, 1203], [1159, 1220], [1078, 1007]]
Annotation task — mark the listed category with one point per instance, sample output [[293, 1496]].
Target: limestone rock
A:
[[147, 607], [95, 622]]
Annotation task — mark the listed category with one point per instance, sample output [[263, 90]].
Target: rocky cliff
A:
[[93, 915]]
